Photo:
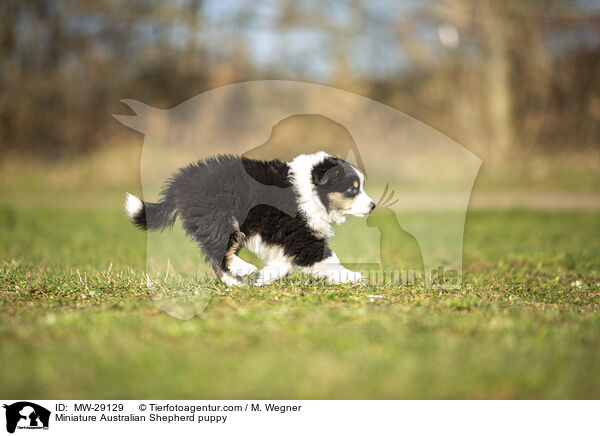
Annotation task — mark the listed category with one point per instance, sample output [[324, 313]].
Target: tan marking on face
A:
[[355, 184], [339, 202]]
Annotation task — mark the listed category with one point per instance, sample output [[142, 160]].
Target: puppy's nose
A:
[[372, 205]]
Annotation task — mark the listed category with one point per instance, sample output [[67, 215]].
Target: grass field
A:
[[77, 320]]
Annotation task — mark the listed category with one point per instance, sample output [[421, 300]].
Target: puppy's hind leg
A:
[[220, 239], [227, 276], [229, 280], [231, 268]]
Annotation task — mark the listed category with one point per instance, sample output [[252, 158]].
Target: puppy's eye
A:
[[352, 190]]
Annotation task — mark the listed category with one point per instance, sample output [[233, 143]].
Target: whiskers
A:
[[386, 200]]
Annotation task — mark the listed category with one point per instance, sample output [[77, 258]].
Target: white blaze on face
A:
[[362, 202], [308, 199]]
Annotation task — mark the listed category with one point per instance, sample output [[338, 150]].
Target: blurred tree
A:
[[503, 77], [508, 77]]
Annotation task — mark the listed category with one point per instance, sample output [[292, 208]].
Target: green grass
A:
[[77, 319]]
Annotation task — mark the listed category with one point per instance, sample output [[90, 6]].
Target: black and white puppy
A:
[[283, 212]]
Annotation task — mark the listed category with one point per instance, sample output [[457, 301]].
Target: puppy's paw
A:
[[265, 277], [230, 281], [242, 268], [271, 272], [260, 280], [350, 277]]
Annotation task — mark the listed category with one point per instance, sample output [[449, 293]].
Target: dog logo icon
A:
[[420, 238], [26, 415]]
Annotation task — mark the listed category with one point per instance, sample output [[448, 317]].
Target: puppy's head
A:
[[340, 188]]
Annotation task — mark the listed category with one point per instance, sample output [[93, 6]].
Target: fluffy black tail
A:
[[150, 216]]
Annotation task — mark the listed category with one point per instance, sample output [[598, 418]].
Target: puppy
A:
[[283, 212]]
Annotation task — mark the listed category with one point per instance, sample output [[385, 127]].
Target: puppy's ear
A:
[[321, 179], [323, 173]]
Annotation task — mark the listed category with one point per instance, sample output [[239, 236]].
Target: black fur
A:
[[225, 199]]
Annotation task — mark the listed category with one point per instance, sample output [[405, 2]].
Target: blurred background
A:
[[517, 83]]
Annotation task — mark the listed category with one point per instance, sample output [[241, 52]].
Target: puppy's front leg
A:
[[271, 272], [334, 271], [241, 268]]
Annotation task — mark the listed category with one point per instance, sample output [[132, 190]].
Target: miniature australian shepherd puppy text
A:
[[281, 211]]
